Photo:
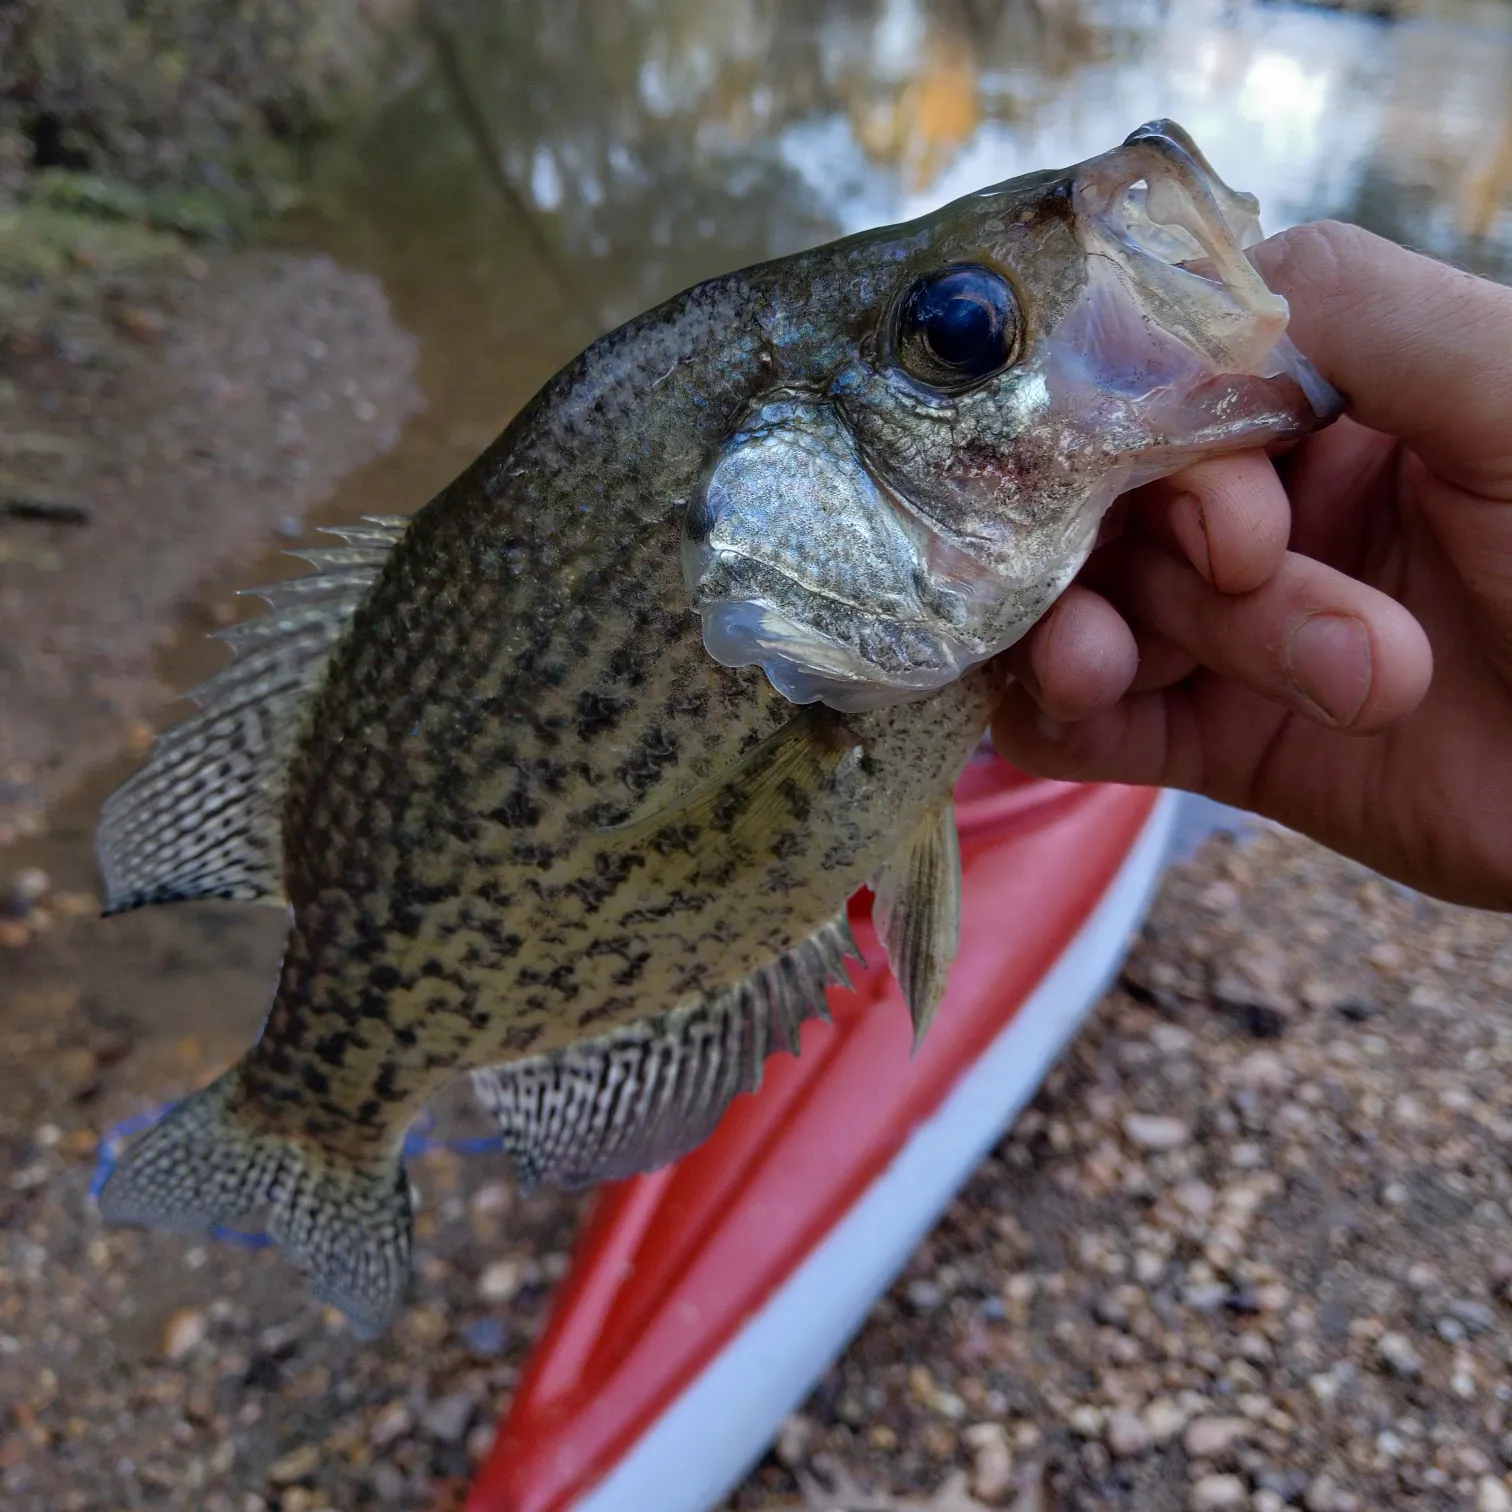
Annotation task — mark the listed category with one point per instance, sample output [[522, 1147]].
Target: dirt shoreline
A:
[[204, 410]]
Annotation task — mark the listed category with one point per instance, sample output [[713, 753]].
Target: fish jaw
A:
[[983, 506]]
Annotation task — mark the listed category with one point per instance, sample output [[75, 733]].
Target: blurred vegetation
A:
[[179, 111], [132, 128]]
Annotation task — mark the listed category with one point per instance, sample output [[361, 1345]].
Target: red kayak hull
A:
[[705, 1298]]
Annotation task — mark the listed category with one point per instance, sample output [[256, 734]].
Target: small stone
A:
[[184, 1332], [449, 1418], [1476, 1317], [1086, 1421], [295, 1465], [392, 1423], [991, 1460], [1209, 1437], [1267, 1501], [1154, 1132], [1492, 1495], [486, 1337], [1395, 1352], [1218, 1493], [1164, 1419], [924, 1296], [1126, 1435], [500, 1281], [948, 1405], [1322, 1495], [795, 1438]]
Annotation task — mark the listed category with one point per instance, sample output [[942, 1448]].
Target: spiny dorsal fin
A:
[[916, 910], [648, 1093], [201, 818]]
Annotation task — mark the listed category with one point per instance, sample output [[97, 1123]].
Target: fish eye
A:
[[957, 327]]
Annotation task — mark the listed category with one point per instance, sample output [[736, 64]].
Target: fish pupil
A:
[[959, 325]]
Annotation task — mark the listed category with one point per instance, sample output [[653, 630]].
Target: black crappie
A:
[[567, 779]]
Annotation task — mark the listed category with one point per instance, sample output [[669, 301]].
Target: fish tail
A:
[[347, 1225]]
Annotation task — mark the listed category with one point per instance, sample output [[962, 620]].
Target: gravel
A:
[[1250, 1318]]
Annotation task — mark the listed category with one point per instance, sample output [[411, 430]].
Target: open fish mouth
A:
[[1176, 235]]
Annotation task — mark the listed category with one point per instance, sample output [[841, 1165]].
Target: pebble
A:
[[486, 1337], [991, 1460], [393, 1422], [1395, 1352], [1155, 1132], [1126, 1435], [1164, 1419], [1086, 1421], [1492, 1495], [1218, 1493], [1210, 1437], [183, 1333], [448, 1418], [294, 1465], [500, 1281]]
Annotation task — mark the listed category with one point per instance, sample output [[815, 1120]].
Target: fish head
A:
[[891, 511]]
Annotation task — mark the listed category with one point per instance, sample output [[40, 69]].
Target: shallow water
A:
[[539, 170]]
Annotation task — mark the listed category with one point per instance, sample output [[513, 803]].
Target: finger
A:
[[1311, 638], [1079, 658], [1127, 742], [1418, 349], [1206, 736], [1161, 662], [1229, 516]]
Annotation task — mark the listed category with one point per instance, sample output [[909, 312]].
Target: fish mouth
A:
[[1176, 235]]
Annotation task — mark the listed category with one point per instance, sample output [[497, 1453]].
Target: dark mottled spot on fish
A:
[[332, 1047], [597, 713], [642, 768], [518, 811]]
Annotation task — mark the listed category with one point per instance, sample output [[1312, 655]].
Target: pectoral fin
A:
[[917, 912], [741, 810]]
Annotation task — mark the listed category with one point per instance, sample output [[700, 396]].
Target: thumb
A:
[[1419, 350]]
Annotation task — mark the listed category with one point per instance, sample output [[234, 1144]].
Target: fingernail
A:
[[1189, 519], [1328, 663]]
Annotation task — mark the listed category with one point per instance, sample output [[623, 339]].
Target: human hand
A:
[[1326, 639]]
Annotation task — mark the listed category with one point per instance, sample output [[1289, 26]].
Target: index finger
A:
[[1419, 350]]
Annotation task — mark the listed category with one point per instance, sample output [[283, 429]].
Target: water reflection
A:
[[556, 165]]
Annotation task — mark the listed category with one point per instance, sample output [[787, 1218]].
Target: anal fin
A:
[[917, 912], [648, 1093]]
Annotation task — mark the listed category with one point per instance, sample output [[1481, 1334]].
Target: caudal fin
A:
[[347, 1227]]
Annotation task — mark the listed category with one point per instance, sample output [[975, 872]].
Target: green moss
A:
[[178, 113]]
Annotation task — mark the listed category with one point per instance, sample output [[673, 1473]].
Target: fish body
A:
[[567, 779]]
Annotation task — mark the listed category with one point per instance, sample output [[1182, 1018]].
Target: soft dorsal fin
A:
[[917, 912], [649, 1092], [202, 818]]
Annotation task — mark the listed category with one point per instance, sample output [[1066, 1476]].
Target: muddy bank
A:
[[149, 448]]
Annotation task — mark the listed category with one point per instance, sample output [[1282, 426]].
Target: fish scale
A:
[[567, 780]]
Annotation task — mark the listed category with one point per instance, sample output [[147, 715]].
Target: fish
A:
[[565, 780]]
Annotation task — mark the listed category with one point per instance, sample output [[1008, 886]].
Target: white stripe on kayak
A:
[[702, 1445]]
